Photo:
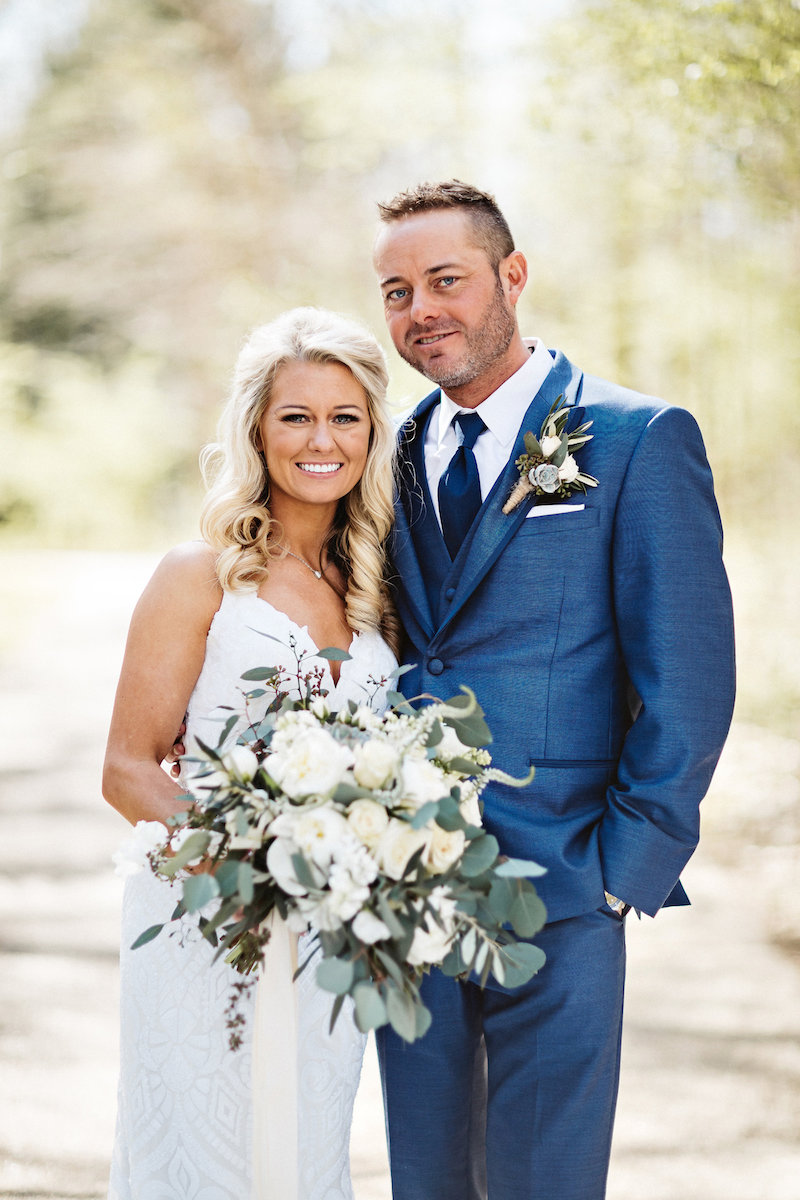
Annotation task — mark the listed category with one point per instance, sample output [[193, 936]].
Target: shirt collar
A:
[[503, 410]]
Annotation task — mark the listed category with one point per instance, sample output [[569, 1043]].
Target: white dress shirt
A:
[[502, 413]]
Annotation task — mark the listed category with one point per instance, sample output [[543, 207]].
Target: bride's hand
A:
[[177, 751]]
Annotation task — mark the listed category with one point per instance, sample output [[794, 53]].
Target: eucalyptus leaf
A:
[[246, 883], [195, 846], [521, 961], [401, 1014], [198, 890], [435, 734], [519, 868], [423, 1019], [335, 975], [479, 855], [303, 872], [389, 917], [428, 812], [334, 654], [227, 876], [261, 673], [370, 1007], [147, 936], [335, 1010], [532, 446], [527, 913]]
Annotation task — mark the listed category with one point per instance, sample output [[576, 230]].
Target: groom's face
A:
[[449, 312]]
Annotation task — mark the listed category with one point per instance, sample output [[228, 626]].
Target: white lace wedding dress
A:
[[184, 1124]]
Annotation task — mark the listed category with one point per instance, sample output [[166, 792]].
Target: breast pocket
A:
[[559, 523]]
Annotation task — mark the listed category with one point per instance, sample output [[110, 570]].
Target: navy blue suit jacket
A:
[[599, 643]]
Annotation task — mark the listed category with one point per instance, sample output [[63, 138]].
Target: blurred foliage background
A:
[[185, 169]]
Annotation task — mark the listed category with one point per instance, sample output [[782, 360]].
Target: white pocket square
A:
[[548, 510]]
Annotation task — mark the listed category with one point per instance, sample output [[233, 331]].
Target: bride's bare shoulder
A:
[[186, 577]]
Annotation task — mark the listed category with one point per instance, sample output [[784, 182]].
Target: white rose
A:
[[320, 708], [396, 846], [281, 867], [444, 848], [318, 831], [312, 766], [549, 445], [369, 929], [568, 471], [144, 839], [368, 820], [241, 762], [422, 781], [375, 763]]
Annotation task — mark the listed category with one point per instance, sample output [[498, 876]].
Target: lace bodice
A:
[[248, 632]]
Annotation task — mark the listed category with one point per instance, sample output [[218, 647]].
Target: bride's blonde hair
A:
[[236, 520]]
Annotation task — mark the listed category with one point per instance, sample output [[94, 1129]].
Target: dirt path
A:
[[710, 1102]]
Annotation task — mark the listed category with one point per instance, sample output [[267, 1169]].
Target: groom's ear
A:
[[513, 272]]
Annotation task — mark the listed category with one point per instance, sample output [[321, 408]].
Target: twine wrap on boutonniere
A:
[[548, 466]]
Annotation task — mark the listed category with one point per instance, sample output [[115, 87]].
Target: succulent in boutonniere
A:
[[548, 466]]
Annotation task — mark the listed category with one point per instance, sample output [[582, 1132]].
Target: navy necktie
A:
[[460, 486]]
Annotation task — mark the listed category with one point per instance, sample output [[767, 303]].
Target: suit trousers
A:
[[530, 1118]]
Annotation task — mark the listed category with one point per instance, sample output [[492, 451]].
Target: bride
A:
[[294, 525]]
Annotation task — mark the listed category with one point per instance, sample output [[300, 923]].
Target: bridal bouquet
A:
[[366, 828]]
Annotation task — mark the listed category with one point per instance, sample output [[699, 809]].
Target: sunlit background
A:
[[177, 171]]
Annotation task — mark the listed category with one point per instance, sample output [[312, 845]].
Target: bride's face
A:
[[315, 434]]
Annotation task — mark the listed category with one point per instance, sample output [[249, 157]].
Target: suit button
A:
[[435, 666], [450, 593]]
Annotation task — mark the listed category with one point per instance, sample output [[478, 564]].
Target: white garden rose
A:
[[369, 929], [144, 838], [368, 820], [396, 846], [444, 848], [318, 832], [568, 471], [422, 781], [375, 763], [549, 445], [241, 762], [313, 765]]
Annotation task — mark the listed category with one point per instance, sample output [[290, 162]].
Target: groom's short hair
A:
[[490, 226]]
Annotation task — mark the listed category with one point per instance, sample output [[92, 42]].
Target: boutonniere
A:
[[548, 466]]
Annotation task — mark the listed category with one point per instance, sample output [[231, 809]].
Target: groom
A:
[[596, 631]]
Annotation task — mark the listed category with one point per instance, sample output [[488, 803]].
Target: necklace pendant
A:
[[317, 573]]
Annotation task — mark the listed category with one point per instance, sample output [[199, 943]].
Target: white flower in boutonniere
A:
[[548, 466]]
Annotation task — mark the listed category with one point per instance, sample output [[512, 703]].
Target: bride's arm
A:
[[163, 657]]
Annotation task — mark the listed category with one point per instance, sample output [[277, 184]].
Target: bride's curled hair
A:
[[236, 520]]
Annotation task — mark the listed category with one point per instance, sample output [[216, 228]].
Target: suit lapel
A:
[[410, 513], [494, 528]]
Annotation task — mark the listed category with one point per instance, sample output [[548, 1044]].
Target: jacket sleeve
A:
[[675, 626]]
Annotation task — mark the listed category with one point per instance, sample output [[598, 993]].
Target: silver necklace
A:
[[313, 570]]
